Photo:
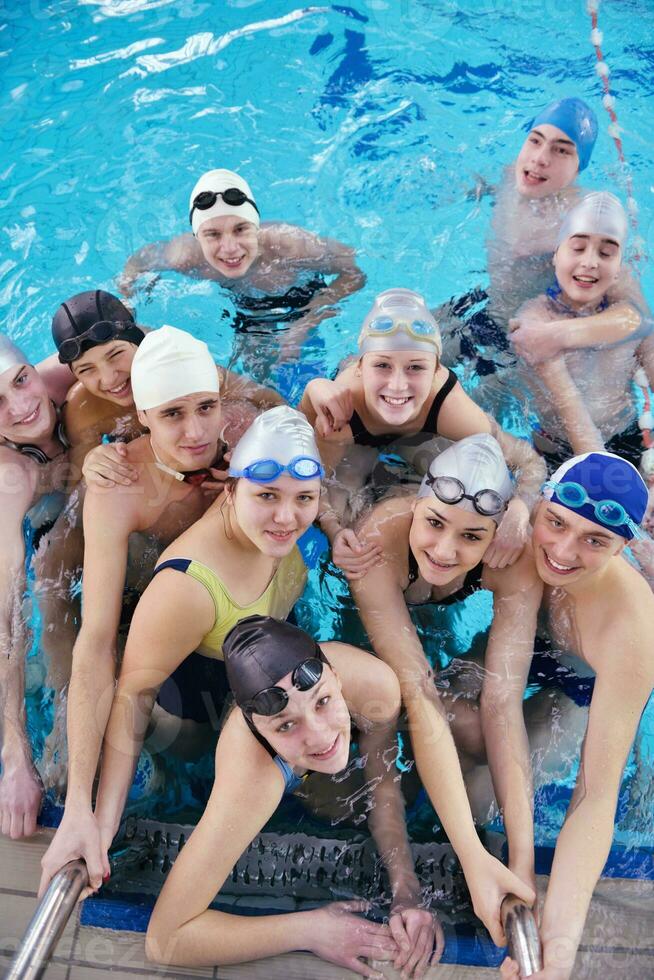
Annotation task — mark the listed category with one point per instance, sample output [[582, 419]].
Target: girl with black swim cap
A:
[[296, 703], [433, 546]]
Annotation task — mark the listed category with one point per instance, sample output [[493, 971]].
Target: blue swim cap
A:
[[606, 478], [576, 119]]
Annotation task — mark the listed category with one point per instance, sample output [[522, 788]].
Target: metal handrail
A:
[[522, 935], [48, 922]]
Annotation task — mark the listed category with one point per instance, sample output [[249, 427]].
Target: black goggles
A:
[[101, 332], [272, 700], [232, 196], [449, 490]]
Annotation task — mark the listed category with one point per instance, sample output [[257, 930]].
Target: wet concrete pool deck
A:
[[618, 940]]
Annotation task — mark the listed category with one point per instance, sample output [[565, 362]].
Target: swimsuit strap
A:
[[179, 564], [362, 437], [471, 583], [554, 294], [431, 422], [413, 568]]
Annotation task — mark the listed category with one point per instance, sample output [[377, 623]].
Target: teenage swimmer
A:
[[572, 580], [176, 391], [398, 395], [584, 399], [433, 546], [275, 269], [97, 337], [297, 704], [33, 462], [241, 558]]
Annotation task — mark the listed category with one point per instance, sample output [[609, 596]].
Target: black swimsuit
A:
[[362, 437], [471, 583]]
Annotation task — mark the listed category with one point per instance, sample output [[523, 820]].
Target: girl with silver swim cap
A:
[[296, 705], [399, 394], [433, 545], [239, 559]]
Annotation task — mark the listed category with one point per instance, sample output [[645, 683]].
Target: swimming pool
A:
[[368, 122]]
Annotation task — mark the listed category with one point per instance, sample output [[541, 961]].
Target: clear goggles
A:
[[272, 700], [607, 512], [449, 490], [385, 326], [268, 470]]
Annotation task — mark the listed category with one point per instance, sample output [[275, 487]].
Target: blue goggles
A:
[[384, 326], [607, 512], [268, 470]]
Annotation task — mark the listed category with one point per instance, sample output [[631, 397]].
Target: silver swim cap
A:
[[10, 355], [170, 364], [599, 213], [400, 320], [281, 436], [214, 186], [472, 474]]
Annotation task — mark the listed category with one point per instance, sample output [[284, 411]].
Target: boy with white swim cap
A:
[[176, 390], [583, 395], [229, 245], [598, 610]]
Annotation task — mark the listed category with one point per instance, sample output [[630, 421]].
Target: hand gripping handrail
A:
[[522, 936], [48, 922]]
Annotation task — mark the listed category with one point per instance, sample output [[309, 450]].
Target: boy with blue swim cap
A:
[[574, 581]]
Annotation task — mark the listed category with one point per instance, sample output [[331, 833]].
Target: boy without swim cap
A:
[[400, 320], [215, 183], [89, 319], [576, 119], [477, 464], [260, 650], [606, 479], [10, 355], [598, 213], [169, 364], [281, 434]]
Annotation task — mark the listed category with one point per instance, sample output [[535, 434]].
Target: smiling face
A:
[[568, 547], [446, 540], [27, 415], [586, 267], [185, 432], [313, 731], [548, 162], [229, 244], [104, 371], [273, 516], [396, 384]]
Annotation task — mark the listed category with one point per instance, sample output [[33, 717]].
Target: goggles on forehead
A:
[[608, 512], [268, 470], [101, 332], [449, 490], [232, 196], [272, 700], [385, 326]]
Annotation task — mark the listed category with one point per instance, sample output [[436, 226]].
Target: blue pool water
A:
[[366, 122]]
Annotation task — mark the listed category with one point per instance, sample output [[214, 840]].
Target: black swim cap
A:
[[79, 314], [260, 650]]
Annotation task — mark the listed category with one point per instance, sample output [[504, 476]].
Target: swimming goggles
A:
[[449, 490], [608, 512], [233, 196], [272, 700], [267, 470], [385, 326], [101, 332]]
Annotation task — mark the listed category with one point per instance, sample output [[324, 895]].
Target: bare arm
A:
[[180, 254], [20, 786], [235, 386], [622, 687], [517, 596], [578, 426], [172, 616]]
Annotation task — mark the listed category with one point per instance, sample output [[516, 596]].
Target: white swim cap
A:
[[281, 434], [399, 320], [599, 213], [214, 184], [473, 466], [170, 363], [10, 355]]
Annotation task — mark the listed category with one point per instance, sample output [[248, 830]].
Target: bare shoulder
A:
[[537, 306], [288, 241], [389, 519], [519, 578], [183, 252], [18, 481]]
